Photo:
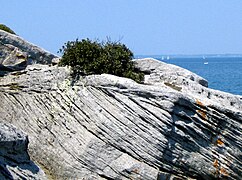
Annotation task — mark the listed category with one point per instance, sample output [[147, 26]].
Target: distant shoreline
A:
[[192, 56]]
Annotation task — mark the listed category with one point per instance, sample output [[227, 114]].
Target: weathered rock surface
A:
[[108, 127], [16, 53], [111, 127], [182, 80], [162, 72], [14, 159]]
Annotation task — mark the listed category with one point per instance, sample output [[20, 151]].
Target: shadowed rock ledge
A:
[[108, 127], [14, 159]]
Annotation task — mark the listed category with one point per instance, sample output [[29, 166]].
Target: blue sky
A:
[[147, 27]]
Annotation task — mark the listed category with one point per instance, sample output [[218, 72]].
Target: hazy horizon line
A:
[[220, 55]]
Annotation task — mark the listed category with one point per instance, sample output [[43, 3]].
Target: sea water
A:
[[222, 72]]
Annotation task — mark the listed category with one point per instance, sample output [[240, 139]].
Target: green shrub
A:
[[91, 57], [7, 29], [82, 56]]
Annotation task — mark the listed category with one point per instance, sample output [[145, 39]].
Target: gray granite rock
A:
[[108, 127], [14, 159], [16, 53], [160, 72]]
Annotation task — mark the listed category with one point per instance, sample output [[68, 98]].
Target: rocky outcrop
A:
[[103, 126], [16, 53], [159, 72], [108, 127], [179, 79], [14, 159]]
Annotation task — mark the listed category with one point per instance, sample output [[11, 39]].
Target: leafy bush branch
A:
[[92, 57]]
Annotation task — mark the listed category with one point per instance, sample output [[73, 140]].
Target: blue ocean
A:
[[222, 72]]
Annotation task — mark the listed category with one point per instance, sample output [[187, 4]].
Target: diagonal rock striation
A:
[[108, 127]]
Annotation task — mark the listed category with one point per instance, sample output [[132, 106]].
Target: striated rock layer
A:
[[108, 127]]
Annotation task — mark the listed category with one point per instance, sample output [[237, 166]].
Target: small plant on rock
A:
[[7, 29], [91, 57]]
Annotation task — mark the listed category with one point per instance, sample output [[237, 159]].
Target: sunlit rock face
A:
[[109, 127]]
